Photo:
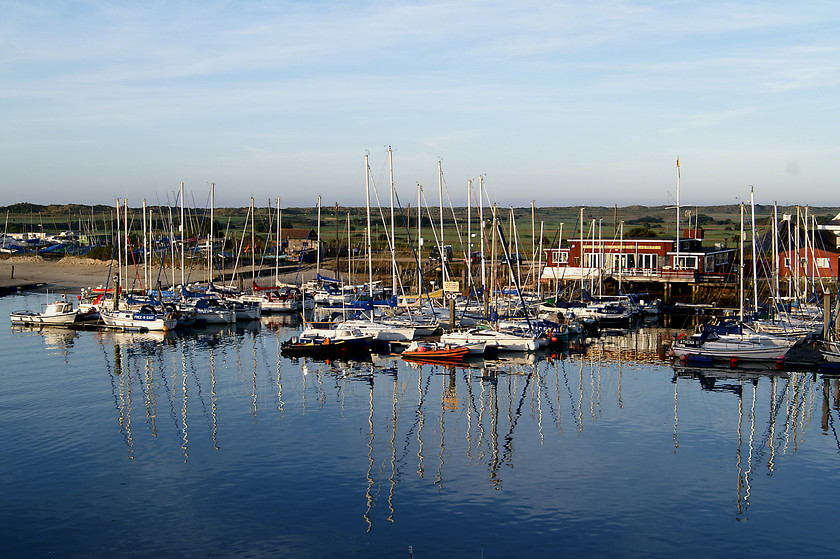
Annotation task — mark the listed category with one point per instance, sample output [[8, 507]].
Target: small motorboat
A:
[[317, 346], [432, 351], [58, 313]]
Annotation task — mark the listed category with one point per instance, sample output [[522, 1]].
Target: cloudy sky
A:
[[565, 103]]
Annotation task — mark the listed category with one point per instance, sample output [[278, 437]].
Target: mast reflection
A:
[[426, 422]]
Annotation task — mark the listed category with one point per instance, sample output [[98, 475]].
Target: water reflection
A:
[[433, 422], [763, 432]]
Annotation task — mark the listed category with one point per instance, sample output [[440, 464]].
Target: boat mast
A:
[[210, 240], [278, 246], [533, 241], [581, 255], [253, 249], [419, 242], [393, 239], [119, 247], [538, 276], [796, 252], [469, 239], [318, 242], [807, 269], [441, 251], [349, 255], [620, 253], [741, 268], [775, 250], [145, 249], [754, 253], [677, 258], [125, 228], [369, 248], [183, 232], [481, 235]]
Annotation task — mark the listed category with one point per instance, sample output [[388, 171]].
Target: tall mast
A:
[[620, 253], [538, 277], [741, 268], [318, 241], [369, 247], [419, 241], [754, 253], [775, 250], [481, 234], [808, 273], [393, 239], [210, 241], [533, 241], [253, 248], [125, 231], [442, 241], [145, 249], [677, 259], [581, 255], [277, 247], [797, 259], [119, 248], [183, 231], [349, 254], [469, 237]]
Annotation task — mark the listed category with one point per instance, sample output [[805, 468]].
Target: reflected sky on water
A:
[[210, 443]]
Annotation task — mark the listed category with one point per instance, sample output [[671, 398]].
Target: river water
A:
[[210, 443]]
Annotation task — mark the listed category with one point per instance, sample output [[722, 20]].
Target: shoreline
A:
[[72, 274]]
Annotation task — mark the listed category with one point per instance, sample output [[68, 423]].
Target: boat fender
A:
[[327, 340]]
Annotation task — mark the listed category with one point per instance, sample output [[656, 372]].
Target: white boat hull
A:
[[130, 320]]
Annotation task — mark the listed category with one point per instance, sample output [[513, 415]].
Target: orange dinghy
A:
[[431, 351]]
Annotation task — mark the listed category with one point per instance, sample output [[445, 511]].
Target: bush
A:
[[101, 253]]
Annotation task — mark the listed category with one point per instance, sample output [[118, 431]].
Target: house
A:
[[813, 263], [298, 240], [640, 259]]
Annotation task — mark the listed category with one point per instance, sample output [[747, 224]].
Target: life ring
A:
[[681, 336]]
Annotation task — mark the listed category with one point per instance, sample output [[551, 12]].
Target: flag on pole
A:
[[678, 166]]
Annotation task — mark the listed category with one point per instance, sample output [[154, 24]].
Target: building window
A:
[[648, 261], [687, 263]]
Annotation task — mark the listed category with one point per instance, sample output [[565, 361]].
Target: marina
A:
[[209, 441]]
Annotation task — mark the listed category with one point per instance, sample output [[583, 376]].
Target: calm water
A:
[[211, 444]]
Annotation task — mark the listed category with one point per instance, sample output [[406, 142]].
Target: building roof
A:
[[299, 234]]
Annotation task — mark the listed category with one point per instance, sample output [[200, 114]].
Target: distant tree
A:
[[642, 233]]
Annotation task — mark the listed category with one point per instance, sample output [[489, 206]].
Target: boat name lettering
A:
[[143, 317]]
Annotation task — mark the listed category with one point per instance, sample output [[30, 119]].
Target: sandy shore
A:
[[72, 273]]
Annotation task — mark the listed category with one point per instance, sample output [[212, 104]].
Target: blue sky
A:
[[565, 103]]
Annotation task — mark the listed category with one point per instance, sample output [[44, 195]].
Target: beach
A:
[[73, 273]]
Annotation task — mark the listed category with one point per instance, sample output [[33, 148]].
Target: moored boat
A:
[[418, 350], [709, 344], [147, 318], [57, 313]]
